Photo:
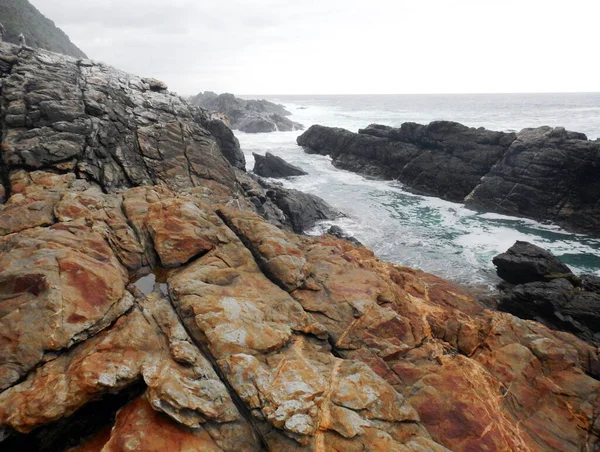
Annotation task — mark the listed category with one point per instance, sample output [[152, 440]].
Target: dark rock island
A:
[[544, 173], [251, 116], [253, 338]]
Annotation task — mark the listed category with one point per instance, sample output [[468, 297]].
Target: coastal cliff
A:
[[152, 297], [20, 16], [544, 173]]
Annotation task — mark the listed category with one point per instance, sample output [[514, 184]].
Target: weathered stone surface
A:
[[114, 128], [270, 165], [279, 258], [57, 286], [525, 263], [543, 173]]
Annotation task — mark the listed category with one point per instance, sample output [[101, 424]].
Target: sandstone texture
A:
[[544, 173], [250, 116], [252, 338]]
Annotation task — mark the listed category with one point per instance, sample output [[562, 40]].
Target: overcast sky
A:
[[342, 46]]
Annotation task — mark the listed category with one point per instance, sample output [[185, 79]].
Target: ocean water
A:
[[437, 236]]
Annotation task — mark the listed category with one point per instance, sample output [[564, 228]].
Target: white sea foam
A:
[[429, 233]]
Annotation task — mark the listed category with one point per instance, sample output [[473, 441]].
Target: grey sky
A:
[[341, 46]]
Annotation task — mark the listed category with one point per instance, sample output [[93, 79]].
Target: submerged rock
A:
[[255, 338], [270, 165]]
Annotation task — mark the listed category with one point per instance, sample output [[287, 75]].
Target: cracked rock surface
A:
[[132, 255]]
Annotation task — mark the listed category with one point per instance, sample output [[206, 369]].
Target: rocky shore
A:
[[251, 116], [544, 173], [253, 338]]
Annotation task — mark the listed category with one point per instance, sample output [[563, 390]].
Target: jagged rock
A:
[[444, 159], [547, 173], [254, 338], [547, 291], [543, 173], [524, 263], [302, 209], [270, 165], [229, 144], [251, 116]]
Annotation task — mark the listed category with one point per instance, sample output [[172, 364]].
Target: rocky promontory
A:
[[153, 298], [251, 116], [544, 173]]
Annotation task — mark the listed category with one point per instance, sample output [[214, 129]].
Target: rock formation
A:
[[546, 290], [543, 173], [251, 116], [253, 338], [20, 16], [524, 263], [270, 165]]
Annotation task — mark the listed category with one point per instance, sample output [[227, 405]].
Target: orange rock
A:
[[59, 287], [139, 428]]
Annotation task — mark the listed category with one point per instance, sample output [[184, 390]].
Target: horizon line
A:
[[413, 94]]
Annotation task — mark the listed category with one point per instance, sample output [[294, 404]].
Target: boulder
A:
[[557, 304], [524, 263], [270, 165]]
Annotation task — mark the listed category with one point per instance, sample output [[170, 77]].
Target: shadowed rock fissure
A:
[[260, 261], [51, 355], [71, 431], [240, 405]]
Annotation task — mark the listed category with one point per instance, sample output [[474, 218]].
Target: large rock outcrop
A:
[[253, 338], [543, 173], [548, 174], [20, 16], [251, 116]]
